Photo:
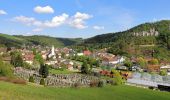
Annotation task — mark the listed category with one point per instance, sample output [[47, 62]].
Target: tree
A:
[[128, 63], [142, 62], [163, 72], [117, 77], [34, 51], [154, 61], [16, 59], [44, 70], [6, 69], [85, 68], [39, 58], [36, 65], [31, 79], [42, 82]]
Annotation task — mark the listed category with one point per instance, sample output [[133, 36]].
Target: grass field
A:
[[10, 91], [54, 71]]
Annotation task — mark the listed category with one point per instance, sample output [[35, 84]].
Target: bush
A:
[[112, 82], [163, 72], [5, 69], [100, 84], [154, 61], [31, 79], [44, 71], [117, 78], [76, 85], [93, 84], [42, 82]]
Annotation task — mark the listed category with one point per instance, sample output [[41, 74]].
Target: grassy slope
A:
[[11, 37], [9, 40], [10, 91]]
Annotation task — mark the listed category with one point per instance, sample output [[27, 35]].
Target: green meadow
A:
[[9, 91]]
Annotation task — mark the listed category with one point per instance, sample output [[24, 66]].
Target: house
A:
[[112, 60], [122, 68], [87, 53], [28, 57], [51, 62], [80, 54]]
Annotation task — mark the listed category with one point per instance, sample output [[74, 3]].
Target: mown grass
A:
[[58, 71], [9, 91]]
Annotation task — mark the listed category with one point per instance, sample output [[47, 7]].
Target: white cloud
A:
[[57, 21], [37, 30], [2, 12], [45, 10], [30, 21], [98, 27], [78, 20], [25, 20]]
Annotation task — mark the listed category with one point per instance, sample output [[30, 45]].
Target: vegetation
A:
[[31, 79], [163, 72], [125, 43], [118, 80], [16, 59], [59, 71], [18, 41], [44, 71], [6, 69], [89, 60], [85, 69], [142, 62], [42, 81], [31, 92], [38, 58], [128, 63]]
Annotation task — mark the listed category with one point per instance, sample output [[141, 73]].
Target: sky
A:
[[78, 18]]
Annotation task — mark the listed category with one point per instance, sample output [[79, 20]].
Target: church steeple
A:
[[52, 53]]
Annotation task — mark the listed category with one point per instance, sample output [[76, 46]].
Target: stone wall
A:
[[59, 80]]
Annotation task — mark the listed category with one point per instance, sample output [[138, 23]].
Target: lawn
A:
[[10, 91], [55, 71]]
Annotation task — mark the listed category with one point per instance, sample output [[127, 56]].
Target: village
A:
[[65, 67]]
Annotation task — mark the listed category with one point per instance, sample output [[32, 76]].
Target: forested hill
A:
[[141, 40], [18, 40], [163, 27]]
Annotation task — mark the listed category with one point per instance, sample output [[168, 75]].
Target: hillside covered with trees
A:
[[18, 40], [148, 39]]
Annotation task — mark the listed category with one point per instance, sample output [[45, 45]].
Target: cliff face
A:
[[151, 32]]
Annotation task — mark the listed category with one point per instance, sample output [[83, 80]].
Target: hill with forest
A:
[[150, 39], [19, 40]]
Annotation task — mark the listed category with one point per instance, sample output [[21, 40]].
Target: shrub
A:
[[100, 83], [117, 78], [112, 82], [44, 71], [154, 61], [93, 84], [31, 79], [5, 69], [42, 82], [76, 85], [163, 72]]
